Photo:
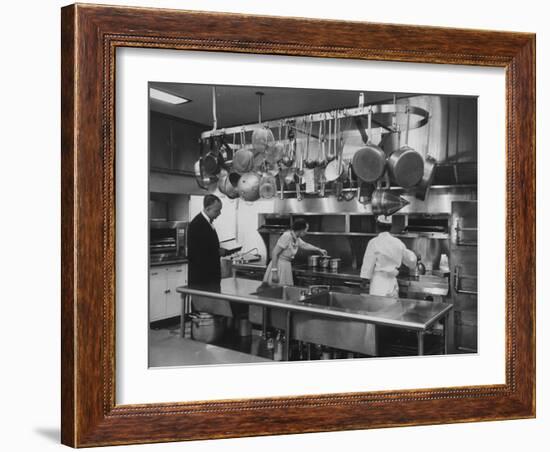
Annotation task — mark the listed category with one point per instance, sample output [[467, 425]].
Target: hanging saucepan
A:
[[233, 178], [211, 161], [262, 137], [268, 186], [390, 142], [225, 186], [405, 165], [274, 153], [243, 158], [225, 153], [423, 187], [249, 186], [203, 181], [369, 162]]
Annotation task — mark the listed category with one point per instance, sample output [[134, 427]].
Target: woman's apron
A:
[[284, 267], [284, 271]]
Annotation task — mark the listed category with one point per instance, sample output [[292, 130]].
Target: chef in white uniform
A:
[[383, 257], [279, 270]]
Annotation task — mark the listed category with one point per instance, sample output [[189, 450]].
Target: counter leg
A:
[[183, 311], [420, 338], [445, 339], [288, 335], [264, 322], [376, 341]]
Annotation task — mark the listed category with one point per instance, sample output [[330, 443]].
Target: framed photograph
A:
[[327, 227]]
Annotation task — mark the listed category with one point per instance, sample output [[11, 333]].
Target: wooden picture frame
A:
[[90, 36]]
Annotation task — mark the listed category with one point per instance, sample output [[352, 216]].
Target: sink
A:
[[289, 293], [350, 301]]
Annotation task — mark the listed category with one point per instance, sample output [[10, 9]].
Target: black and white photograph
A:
[[292, 224]]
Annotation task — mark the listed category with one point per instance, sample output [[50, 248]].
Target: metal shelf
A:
[[411, 235]]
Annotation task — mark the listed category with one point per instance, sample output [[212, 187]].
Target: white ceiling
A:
[[237, 105]]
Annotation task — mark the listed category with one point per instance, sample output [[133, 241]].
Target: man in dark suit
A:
[[203, 247]]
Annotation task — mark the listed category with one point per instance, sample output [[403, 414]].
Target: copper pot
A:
[[268, 186], [369, 162], [249, 186], [406, 166], [225, 186]]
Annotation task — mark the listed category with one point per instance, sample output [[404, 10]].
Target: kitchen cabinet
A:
[[164, 301], [173, 143]]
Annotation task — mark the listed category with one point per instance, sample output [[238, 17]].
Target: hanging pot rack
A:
[[383, 115]]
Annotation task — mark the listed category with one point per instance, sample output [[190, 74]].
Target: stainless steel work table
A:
[[436, 286], [415, 315]]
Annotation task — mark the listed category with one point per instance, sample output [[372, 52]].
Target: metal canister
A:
[[334, 263], [313, 260], [324, 261]]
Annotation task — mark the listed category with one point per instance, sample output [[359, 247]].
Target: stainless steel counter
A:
[[424, 284], [416, 315]]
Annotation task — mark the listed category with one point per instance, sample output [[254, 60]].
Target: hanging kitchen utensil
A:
[[350, 193], [210, 162], [333, 169], [405, 165], [290, 146], [274, 153], [430, 163], [203, 181], [309, 162], [368, 162], [243, 159], [225, 153], [268, 186], [225, 186], [298, 189], [322, 155], [282, 182], [384, 202], [262, 137], [249, 186], [364, 193]]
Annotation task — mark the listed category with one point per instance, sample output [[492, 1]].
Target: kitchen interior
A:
[[275, 155]]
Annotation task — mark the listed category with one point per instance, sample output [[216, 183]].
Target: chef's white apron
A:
[[385, 285]]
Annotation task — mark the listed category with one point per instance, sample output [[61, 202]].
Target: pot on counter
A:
[[334, 263], [313, 260], [324, 262]]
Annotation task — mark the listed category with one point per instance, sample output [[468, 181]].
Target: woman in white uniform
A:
[[383, 257], [279, 270]]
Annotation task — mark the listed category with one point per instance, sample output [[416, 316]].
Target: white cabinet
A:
[[164, 301]]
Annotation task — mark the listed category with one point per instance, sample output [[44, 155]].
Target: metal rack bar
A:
[[334, 114]]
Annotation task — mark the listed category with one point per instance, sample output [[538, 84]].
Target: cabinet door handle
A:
[[179, 271], [167, 291], [154, 274]]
